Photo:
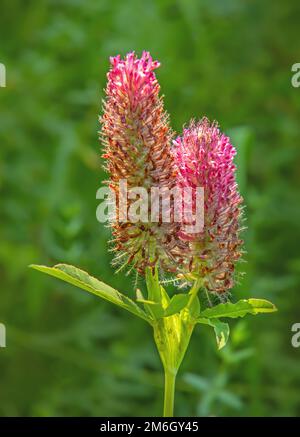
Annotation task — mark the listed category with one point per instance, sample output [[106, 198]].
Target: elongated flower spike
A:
[[137, 138], [204, 158]]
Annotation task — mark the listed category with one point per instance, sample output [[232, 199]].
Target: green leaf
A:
[[83, 280], [221, 330], [177, 303], [165, 299], [146, 302], [239, 309], [154, 292], [153, 286], [154, 308], [194, 308], [139, 294]]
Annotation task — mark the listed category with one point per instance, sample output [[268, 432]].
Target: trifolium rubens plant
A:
[[175, 213]]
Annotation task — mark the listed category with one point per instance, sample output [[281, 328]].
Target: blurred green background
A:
[[69, 353]]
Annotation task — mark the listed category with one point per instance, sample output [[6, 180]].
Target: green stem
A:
[[153, 286], [170, 378], [194, 290]]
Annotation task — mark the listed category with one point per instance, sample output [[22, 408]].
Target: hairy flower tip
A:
[[137, 139], [204, 158]]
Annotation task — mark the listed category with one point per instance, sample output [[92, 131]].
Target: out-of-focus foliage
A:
[[67, 352]]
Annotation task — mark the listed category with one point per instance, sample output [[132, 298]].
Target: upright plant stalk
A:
[[170, 380], [171, 334]]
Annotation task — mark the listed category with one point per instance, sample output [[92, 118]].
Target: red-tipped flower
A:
[[137, 138], [204, 158]]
